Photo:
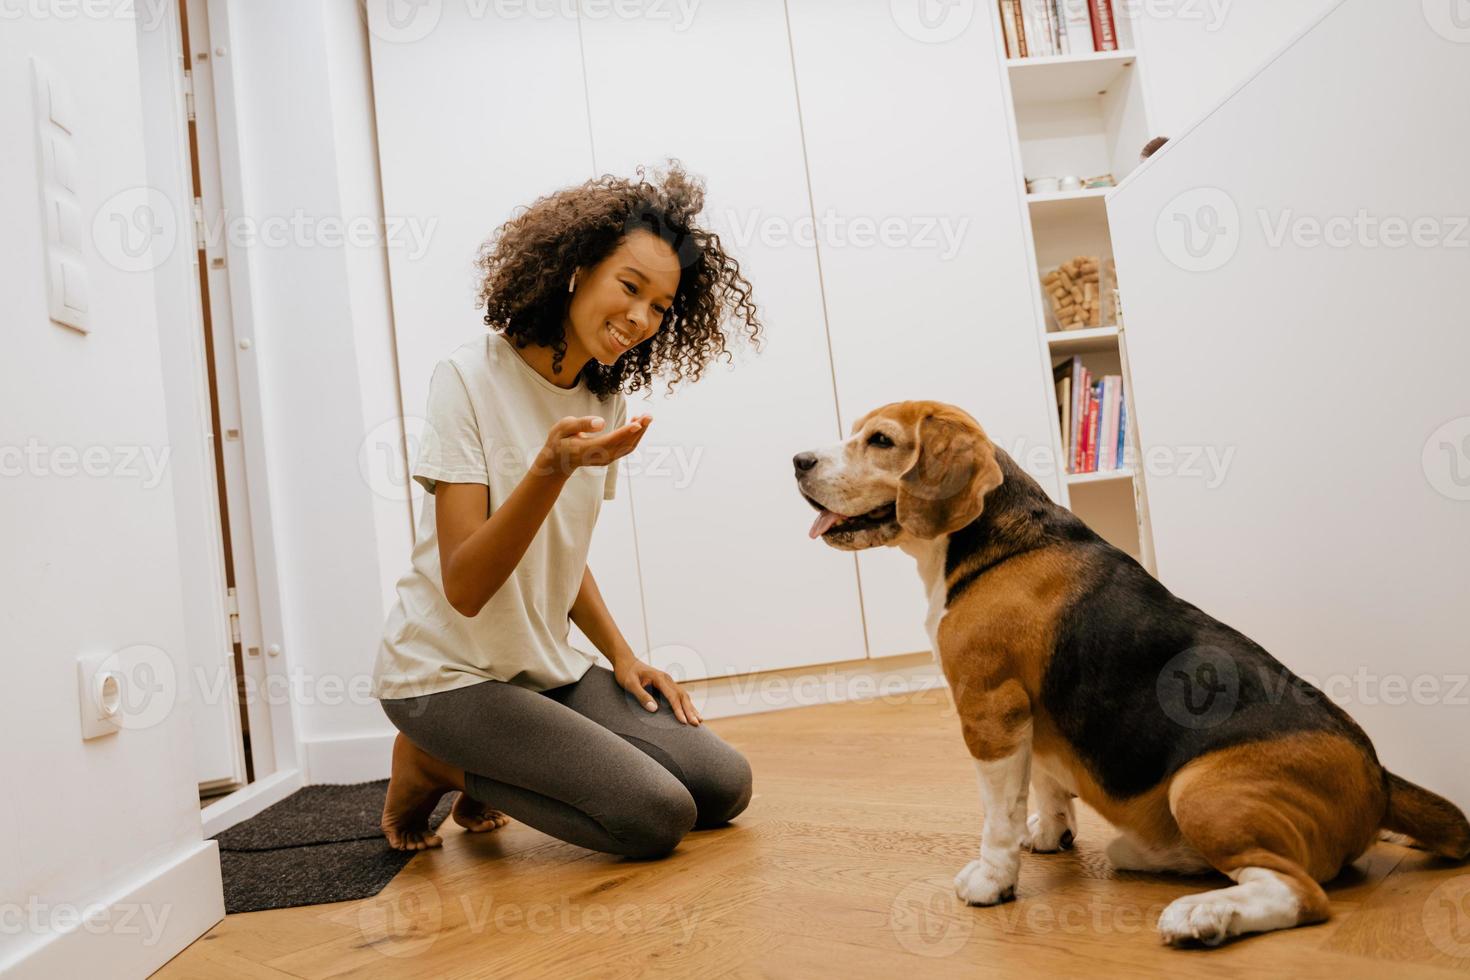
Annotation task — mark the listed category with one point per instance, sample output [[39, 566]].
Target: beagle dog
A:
[[1075, 671]]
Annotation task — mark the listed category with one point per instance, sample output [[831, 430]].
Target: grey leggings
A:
[[584, 763]]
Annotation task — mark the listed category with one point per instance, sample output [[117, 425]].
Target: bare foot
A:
[[417, 783], [475, 816]]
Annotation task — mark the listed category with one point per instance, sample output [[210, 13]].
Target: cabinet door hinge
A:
[[199, 239], [189, 94], [232, 605]]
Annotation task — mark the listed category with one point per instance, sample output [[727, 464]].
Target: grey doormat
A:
[[320, 844]]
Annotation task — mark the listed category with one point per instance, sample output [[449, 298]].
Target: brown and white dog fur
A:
[[1062, 656]]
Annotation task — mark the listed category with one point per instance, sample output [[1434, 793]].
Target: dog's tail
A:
[[1432, 822]]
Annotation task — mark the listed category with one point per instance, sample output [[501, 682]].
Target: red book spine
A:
[[1104, 30], [1079, 414], [1094, 420]]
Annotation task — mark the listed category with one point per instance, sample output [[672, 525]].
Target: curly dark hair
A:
[[526, 265]]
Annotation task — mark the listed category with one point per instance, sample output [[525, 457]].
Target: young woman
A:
[[589, 293]]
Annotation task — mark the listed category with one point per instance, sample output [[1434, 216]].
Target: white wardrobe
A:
[[814, 126]]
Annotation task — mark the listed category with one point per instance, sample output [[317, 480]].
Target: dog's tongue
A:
[[823, 523]]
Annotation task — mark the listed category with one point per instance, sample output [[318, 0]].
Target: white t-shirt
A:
[[489, 414]]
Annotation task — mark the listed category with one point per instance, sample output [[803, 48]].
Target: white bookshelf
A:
[[1072, 76], [1085, 340], [1081, 115], [1102, 476], [1068, 197]]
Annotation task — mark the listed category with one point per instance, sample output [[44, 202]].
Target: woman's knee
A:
[[660, 820], [723, 791]]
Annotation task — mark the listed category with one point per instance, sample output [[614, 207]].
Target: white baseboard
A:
[[245, 803], [136, 931], [351, 759], [802, 687], [359, 758]]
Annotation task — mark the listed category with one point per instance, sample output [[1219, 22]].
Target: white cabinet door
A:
[[479, 113], [923, 250], [727, 568]]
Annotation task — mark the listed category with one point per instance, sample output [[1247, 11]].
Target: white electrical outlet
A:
[[99, 690]]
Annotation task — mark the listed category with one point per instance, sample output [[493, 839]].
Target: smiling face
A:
[[920, 468], [623, 300]]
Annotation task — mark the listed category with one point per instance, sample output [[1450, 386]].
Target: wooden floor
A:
[[841, 867]]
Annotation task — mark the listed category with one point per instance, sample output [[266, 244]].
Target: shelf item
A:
[[1067, 78], [1093, 414], [1087, 341], [1075, 293]]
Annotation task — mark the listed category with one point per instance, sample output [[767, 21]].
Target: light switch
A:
[[66, 295], [74, 285], [69, 223], [68, 299], [60, 106], [61, 161]]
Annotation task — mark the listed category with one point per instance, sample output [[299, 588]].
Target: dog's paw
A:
[[980, 884], [1047, 833], [1187, 921]]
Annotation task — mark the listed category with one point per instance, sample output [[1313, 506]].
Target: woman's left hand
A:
[[636, 677]]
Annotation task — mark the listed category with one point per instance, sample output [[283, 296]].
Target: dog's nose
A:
[[804, 461]]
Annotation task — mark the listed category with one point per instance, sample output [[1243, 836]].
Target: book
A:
[[1078, 21], [1068, 377], [1053, 34], [1122, 432], [1010, 22], [1036, 27], [1107, 449], [1094, 419], [1079, 404], [1104, 28], [1061, 374], [1064, 401]]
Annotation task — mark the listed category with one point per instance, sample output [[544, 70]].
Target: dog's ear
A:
[[945, 487]]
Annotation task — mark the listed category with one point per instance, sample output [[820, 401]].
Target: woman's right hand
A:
[[577, 441]]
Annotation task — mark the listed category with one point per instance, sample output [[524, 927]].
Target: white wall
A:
[[1334, 373], [1195, 52], [92, 561]]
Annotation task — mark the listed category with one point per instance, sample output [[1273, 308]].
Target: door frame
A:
[[276, 752]]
